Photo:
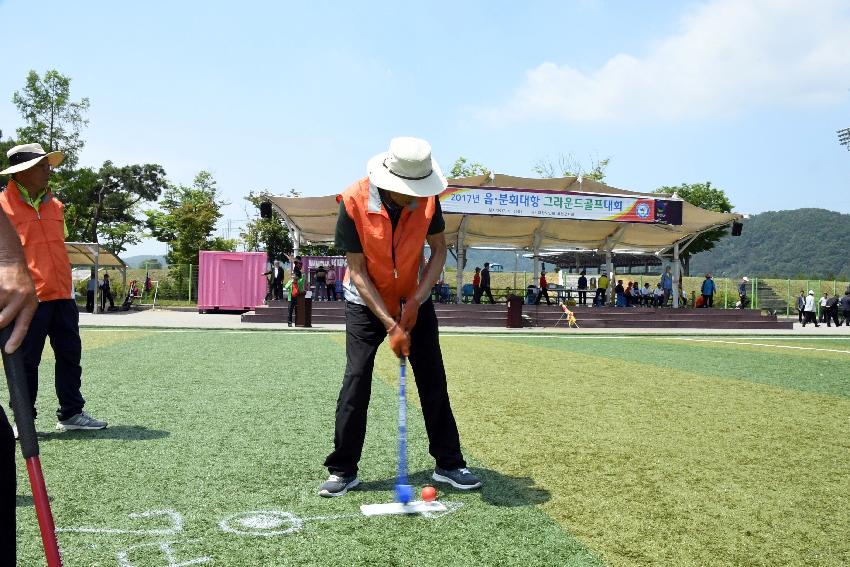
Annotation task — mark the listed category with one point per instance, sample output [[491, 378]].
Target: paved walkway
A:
[[165, 319]]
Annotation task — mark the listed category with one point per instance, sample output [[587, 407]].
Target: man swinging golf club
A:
[[384, 221]]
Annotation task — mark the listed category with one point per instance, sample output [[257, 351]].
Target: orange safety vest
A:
[[42, 235], [393, 258]]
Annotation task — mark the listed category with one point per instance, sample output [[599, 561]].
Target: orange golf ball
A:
[[429, 493]]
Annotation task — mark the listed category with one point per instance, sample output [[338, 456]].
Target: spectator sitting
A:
[[658, 296], [646, 295], [627, 294]]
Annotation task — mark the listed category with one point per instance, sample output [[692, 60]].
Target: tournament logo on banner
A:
[[559, 204]]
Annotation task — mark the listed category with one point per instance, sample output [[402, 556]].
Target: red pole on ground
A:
[[43, 512]]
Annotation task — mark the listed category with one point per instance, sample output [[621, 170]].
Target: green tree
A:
[[269, 235], [51, 118], [104, 205], [5, 146], [462, 168], [186, 219], [566, 165], [705, 196]]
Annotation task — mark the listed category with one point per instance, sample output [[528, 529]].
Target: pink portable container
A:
[[231, 281]]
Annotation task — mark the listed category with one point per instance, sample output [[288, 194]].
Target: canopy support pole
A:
[[97, 291], [461, 259], [610, 243], [676, 276], [538, 236]]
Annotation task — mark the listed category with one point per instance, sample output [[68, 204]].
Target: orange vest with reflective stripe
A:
[[42, 234], [393, 258]]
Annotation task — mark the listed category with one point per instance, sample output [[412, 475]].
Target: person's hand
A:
[[17, 301], [399, 340], [409, 313]]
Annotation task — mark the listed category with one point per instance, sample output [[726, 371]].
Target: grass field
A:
[[594, 451]]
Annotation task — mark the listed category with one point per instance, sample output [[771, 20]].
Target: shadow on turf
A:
[[122, 432], [497, 489], [26, 501]]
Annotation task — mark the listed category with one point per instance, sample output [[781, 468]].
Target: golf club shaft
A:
[[22, 409], [402, 422]]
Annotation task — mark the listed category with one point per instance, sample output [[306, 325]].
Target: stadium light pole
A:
[[844, 137]]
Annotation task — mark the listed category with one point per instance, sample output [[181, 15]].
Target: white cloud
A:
[[731, 55]]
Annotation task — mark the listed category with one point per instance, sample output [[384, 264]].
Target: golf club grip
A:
[[16, 379]]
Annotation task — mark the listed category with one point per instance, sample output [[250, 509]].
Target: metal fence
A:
[[174, 285]]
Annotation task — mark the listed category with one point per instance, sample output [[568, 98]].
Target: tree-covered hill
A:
[[800, 242]]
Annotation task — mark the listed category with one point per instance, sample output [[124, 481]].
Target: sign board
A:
[[559, 204]]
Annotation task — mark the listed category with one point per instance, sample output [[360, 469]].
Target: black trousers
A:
[[800, 315], [601, 296], [708, 300], [542, 293], [277, 290], [481, 291], [846, 314], [832, 317], [8, 487], [364, 333], [331, 291], [59, 320], [292, 309], [810, 317], [90, 301], [582, 297], [104, 296]]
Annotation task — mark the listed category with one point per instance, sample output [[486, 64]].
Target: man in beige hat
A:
[[39, 219], [384, 221]]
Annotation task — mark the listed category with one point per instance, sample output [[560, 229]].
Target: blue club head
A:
[[403, 493]]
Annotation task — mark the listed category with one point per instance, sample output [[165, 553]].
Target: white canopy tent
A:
[[313, 219]]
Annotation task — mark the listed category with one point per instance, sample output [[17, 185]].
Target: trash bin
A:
[[304, 311], [514, 312]]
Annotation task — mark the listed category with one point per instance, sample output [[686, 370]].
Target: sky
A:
[[747, 94]]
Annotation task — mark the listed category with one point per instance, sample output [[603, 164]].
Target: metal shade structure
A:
[[85, 254], [313, 219]]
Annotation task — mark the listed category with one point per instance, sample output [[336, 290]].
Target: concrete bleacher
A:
[[487, 315]]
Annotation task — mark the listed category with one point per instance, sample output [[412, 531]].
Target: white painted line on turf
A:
[[262, 523], [175, 517], [166, 547], [762, 345]]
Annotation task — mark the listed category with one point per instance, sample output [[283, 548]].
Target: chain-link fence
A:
[[174, 285]]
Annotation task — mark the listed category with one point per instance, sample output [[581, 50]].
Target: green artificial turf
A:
[[597, 450]]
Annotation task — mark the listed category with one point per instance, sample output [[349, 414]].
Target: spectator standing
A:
[[666, 286], [620, 294], [742, 292], [801, 305], [627, 294], [601, 290], [321, 283], [476, 286], [106, 294], [276, 276], [91, 287], [294, 286], [485, 283], [809, 309], [707, 291], [823, 301], [39, 218], [582, 288], [832, 311], [845, 306], [544, 289], [331, 284]]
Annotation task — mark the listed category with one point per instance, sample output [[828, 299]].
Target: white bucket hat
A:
[[407, 168], [25, 156]]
